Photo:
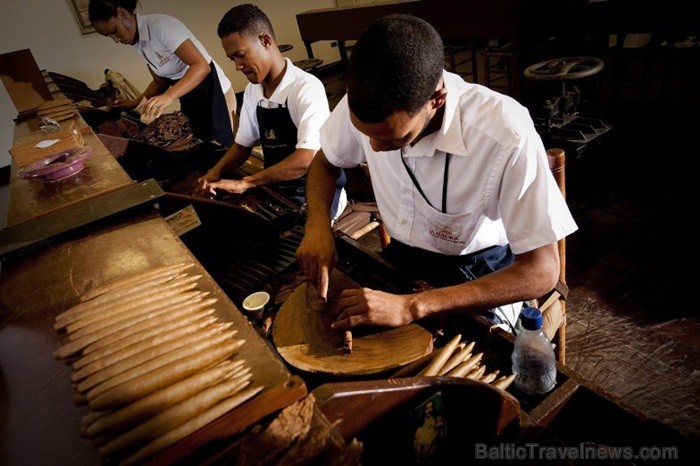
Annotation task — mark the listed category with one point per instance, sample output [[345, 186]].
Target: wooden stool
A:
[[500, 63], [452, 50]]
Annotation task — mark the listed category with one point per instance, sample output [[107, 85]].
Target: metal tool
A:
[[259, 266], [250, 276], [48, 125], [268, 213]]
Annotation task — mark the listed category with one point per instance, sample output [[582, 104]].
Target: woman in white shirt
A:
[[179, 64]]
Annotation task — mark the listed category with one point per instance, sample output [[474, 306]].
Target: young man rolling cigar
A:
[[460, 177], [283, 110]]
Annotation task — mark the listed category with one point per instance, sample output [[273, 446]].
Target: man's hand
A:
[[317, 256], [230, 186], [203, 189], [365, 306]]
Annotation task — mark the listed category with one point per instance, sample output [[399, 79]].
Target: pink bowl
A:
[[58, 166]]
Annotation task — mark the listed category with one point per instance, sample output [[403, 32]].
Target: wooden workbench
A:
[[31, 198], [40, 423]]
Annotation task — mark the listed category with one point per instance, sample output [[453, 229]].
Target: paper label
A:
[[183, 220], [46, 143]]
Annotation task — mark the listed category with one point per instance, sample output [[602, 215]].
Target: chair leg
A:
[[384, 237], [475, 65], [560, 338]]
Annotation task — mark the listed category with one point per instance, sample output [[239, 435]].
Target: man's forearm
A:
[[292, 167], [532, 275], [234, 157], [320, 189]]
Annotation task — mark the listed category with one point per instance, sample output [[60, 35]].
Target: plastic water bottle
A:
[[534, 363]]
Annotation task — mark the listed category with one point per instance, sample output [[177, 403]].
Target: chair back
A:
[[553, 305]]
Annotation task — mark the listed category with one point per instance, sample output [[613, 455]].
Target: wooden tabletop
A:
[[33, 198], [41, 422]]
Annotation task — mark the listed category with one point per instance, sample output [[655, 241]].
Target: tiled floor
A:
[[633, 325]]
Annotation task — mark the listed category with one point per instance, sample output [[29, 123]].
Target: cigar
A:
[[347, 342]]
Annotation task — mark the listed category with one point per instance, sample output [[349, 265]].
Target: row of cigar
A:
[[455, 359], [151, 361]]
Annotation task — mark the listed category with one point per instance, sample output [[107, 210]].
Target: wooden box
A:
[[37, 145]]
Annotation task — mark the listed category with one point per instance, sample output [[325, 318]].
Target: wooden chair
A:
[[553, 304], [501, 68], [458, 54]]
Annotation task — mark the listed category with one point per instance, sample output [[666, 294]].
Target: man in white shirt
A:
[[460, 177], [283, 109]]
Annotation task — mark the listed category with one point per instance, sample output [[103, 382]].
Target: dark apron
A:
[[278, 138], [442, 270], [205, 107]]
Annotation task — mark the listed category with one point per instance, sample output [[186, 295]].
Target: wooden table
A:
[[32, 198]]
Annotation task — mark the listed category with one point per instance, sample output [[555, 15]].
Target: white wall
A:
[[7, 113], [49, 30]]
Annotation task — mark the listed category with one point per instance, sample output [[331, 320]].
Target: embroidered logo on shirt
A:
[[270, 134], [444, 232], [162, 60]]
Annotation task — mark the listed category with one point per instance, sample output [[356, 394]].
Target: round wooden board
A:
[[303, 336]]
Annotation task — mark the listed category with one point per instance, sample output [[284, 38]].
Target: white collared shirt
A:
[[500, 189], [304, 95], [159, 36]]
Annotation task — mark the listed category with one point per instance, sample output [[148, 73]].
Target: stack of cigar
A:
[[455, 359], [151, 361], [57, 110]]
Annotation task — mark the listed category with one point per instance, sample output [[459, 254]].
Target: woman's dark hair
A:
[[102, 10], [247, 20], [395, 66]]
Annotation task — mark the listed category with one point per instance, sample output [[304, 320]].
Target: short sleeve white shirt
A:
[[159, 37], [304, 95], [499, 178]]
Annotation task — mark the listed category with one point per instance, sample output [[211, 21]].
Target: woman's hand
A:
[[155, 106]]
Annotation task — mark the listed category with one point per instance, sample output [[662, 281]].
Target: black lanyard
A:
[[420, 190]]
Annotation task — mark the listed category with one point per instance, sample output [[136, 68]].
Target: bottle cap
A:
[[531, 318]]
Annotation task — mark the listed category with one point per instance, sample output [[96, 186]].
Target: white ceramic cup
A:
[[256, 302]]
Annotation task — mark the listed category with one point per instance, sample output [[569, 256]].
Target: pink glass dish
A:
[[58, 166]]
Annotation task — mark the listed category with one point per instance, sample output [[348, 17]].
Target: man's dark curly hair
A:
[[394, 66], [247, 20]]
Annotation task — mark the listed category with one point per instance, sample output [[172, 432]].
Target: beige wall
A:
[[49, 30]]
